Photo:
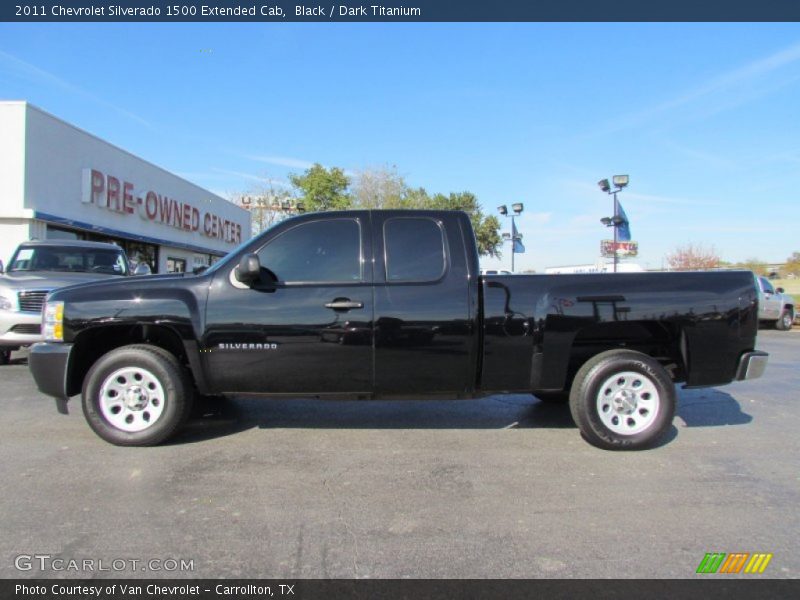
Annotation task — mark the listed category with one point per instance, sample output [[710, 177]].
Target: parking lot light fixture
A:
[[620, 181], [513, 237]]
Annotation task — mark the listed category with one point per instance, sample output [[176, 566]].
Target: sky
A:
[[704, 118]]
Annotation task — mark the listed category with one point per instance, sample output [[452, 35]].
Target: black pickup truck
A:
[[390, 304]]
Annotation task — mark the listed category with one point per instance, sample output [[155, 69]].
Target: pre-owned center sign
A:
[[123, 197]]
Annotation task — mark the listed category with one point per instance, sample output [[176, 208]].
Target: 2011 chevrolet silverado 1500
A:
[[390, 304]]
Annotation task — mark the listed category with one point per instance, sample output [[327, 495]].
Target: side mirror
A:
[[779, 290], [142, 269], [249, 269]]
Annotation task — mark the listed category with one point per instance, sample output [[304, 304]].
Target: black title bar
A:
[[710, 588], [406, 11]]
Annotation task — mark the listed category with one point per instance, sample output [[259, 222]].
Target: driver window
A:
[[766, 286], [320, 252]]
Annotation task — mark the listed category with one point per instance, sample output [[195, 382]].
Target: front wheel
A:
[[5, 356], [136, 395], [785, 322], [622, 400]]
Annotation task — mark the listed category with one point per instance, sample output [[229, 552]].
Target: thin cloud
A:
[[282, 161], [293, 163], [252, 177], [705, 157], [39, 75], [720, 86], [587, 188]]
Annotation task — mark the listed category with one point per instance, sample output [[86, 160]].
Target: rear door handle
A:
[[344, 304]]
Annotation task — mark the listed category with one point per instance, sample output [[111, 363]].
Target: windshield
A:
[[69, 259]]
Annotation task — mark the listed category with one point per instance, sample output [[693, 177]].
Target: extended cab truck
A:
[[389, 304]]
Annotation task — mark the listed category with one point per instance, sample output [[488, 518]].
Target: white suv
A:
[[37, 268]]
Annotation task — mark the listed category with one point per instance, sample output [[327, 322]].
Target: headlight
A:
[[7, 302], [53, 322]]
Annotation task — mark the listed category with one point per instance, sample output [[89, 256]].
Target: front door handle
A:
[[344, 304]]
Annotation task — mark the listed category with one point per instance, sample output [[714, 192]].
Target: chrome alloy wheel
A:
[[628, 402], [131, 399]]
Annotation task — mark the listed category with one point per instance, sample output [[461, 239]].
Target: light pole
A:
[[620, 181], [515, 237]]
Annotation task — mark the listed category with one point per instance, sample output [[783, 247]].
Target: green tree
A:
[[487, 228], [382, 187], [322, 189], [757, 266], [793, 264]]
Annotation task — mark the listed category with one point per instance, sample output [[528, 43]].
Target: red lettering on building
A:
[[151, 205], [98, 187], [165, 205], [127, 197], [120, 196]]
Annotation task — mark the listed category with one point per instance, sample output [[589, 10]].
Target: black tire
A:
[[553, 397], [168, 405], [785, 322], [5, 356], [641, 400]]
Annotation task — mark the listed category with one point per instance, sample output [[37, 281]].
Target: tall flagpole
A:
[[616, 214]]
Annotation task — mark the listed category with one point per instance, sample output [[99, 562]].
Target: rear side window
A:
[[320, 252], [414, 249]]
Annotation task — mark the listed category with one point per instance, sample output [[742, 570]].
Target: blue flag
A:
[[624, 230], [516, 238]]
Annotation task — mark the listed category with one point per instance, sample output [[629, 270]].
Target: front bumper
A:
[[20, 328], [751, 365], [49, 365]]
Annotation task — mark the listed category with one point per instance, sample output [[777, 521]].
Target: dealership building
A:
[[59, 182]]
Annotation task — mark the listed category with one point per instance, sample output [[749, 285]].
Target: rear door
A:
[[424, 333], [311, 332], [771, 301]]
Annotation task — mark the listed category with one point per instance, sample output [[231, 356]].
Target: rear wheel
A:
[[136, 395], [622, 400], [785, 322]]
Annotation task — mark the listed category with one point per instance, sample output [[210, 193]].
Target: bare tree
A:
[[379, 187], [693, 257], [266, 202]]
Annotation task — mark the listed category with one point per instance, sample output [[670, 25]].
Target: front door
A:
[[309, 333], [772, 302]]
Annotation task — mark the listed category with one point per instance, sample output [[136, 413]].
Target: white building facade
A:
[[59, 182]]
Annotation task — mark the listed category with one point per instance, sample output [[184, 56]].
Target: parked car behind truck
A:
[[38, 267], [401, 291], [775, 307]]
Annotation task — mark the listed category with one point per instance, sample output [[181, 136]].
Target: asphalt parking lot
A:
[[502, 487]]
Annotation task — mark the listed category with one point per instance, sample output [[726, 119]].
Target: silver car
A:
[[37, 268], [774, 306]]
